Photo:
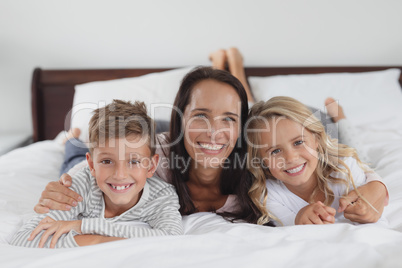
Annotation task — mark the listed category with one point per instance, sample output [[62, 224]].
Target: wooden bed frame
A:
[[53, 90]]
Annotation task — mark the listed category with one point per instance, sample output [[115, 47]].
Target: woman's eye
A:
[[299, 142], [230, 119], [200, 115], [276, 151], [106, 162]]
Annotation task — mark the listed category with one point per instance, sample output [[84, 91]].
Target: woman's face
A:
[[211, 123]]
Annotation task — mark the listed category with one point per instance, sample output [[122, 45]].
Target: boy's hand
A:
[[57, 196], [357, 210], [55, 228], [316, 213]]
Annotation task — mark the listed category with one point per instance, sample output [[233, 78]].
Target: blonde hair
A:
[[329, 150], [121, 119]]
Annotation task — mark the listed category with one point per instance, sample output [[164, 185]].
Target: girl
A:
[[307, 173]]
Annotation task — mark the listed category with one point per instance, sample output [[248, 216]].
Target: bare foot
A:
[[236, 68], [334, 109], [218, 59], [72, 133]]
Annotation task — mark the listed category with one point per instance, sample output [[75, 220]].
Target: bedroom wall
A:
[[160, 33]]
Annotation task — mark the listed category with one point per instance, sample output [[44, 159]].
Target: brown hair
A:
[[120, 119]]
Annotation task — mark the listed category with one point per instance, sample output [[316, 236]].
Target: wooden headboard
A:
[[53, 90]]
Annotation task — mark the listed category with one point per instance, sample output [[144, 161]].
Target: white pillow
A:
[[367, 98], [157, 90]]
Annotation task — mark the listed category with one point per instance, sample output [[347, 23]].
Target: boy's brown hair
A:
[[120, 119]]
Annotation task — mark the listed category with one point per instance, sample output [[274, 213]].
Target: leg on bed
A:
[[75, 151]]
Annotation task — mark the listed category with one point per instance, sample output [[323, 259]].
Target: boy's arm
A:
[[88, 240], [162, 214], [66, 240]]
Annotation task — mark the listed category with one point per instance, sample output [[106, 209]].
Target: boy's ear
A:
[[90, 164], [153, 165]]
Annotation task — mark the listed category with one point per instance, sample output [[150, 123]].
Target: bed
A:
[[210, 241]]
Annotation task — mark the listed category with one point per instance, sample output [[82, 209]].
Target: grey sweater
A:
[[158, 207]]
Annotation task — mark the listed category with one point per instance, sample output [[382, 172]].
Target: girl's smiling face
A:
[[290, 153], [211, 122]]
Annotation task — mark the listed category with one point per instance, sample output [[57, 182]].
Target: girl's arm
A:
[[316, 213], [285, 215], [370, 185], [357, 210]]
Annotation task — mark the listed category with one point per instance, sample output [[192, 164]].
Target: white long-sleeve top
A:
[[285, 205], [158, 207]]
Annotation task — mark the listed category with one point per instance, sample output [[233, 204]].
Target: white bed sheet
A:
[[210, 241]]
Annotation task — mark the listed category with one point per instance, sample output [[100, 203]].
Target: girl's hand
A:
[[57, 196], [316, 213], [55, 228], [357, 210]]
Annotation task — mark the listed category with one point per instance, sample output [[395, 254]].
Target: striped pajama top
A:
[[158, 207]]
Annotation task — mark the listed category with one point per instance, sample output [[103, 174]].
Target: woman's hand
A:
[[357, 210], [57, 196], [316, 213], [55, 228]]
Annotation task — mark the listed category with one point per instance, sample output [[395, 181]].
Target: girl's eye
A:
[[299, 142], [106, 162], [275, 152]]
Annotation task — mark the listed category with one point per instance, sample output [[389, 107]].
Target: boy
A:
[[117, 186]]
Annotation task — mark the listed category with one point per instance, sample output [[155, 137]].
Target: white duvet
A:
[[210, 241]]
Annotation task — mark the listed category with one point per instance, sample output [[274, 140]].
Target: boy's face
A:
[[121, 167]]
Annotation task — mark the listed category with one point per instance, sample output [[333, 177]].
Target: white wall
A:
[[163, 33]]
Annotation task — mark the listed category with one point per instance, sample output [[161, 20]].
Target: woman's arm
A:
[[58, 196]]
